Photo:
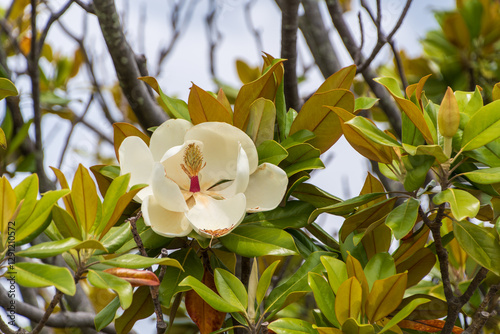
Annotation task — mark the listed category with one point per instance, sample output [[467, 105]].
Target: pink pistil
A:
[[195, 184]]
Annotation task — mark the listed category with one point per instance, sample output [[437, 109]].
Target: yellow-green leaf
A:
[[462, 203], [261, 121], [8, 205], [482, 128], [348, 300], [7, 88], [385, 296], [204, 107], [340, 79], [85, 200]]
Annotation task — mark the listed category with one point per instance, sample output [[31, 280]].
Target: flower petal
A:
[[166, 191], [221, 149], [215, 218], [136, 159], [164, 222], [173, 160], [266, 188], [171, 133], [240, 183]]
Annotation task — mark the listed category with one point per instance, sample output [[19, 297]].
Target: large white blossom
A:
[[203, 177]]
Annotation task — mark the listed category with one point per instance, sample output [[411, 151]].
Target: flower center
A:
[[193, 163]]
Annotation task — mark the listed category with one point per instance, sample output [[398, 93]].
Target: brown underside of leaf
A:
[[203, 315], [429, 326]]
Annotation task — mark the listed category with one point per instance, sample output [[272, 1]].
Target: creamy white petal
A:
[[240, 183], [221, 150], [164, 222], [166, 191], [169, 134], [211, 217], [136, 159], [266, 188], [172, 161], [143, 193]]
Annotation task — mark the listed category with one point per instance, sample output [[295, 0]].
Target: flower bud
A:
[[449, 115]]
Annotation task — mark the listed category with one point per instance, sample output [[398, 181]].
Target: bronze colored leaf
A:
[[418, 265], [124, 130], [135, 277], [203, 315], [429, 326], [204, 107]]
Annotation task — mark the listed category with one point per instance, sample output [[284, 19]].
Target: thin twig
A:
[[481, 316], [53, 18], [249, 22], [161, 326], [399, 64], [89, 8], [480, 276]]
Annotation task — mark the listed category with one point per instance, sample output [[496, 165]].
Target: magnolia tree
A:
[[210, 215]]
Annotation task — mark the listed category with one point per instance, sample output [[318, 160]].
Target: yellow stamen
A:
[[193, 160]]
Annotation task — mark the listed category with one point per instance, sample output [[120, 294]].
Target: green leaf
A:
[[336, 271], [417, 168], [38, 220], [385, 296], [7, 88], [316, 196], [324, 296], [209, 296], [8, 207], [405, 311], [85, 199], [3, 139], [65, 223], [134, 261], [480, 243], [301, 157], [231, 289], [271, 152], [261, 121], [253, 241], [351, 326], [281, 113], [265, 281], [297, 138], [391, 84], [292, 326], [482, 128], [462, 203], [348, 300], [27, 191], [103, 280], [116, 189], [434, 150], [176, 108], [295, 214], [297, 283], [173, 276], [38, 275], [364, 102], [402, 219], [107, 314], [435, 308], [53, 248], [484, 176], [372, 132], [380, 266], [142, 307]]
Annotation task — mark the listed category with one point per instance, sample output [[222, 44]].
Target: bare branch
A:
[[53, 18], [482, 316], [213, 34], [317, 37], [145, 108], [255, 32], [399, 64], [289, 26], [89, 8], [385, 102]]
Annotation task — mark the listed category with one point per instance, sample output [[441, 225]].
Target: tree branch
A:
[[482, 316], [289, 27], [53, 18], [385, 102], [145, 108]]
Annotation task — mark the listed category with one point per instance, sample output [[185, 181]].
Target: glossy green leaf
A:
[[204, 107], [103, 280], [364, 102], [401, 315], [484, 176], [391, 85], [53, 248], [134, 261], [271, 152], [107, 314], [462, 203], [372, 132], [301, 157], [380, 266], [117, 237], [351, 326], [173, 276], [402, 219], [345, 207], [295, 215], [316, 196], [261, 121], [265, 281], [3, 139], [7, 88], [84, 196], [253, 241], [324, 296], [7, 205], [343, 78], [231, 289], [435, 308], [176, 108], [482, 128], [142, 307], [348, 300], [417, 168], [385, 296], [434, 150], [38, 275], [291, 326], [209, 296], [336, 271], [480, 243], [295, 284], [38, 220], [299, 137], [26, 191], [116, 189], [65, 223]]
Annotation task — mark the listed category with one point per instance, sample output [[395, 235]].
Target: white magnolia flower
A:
[[203, 177]]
